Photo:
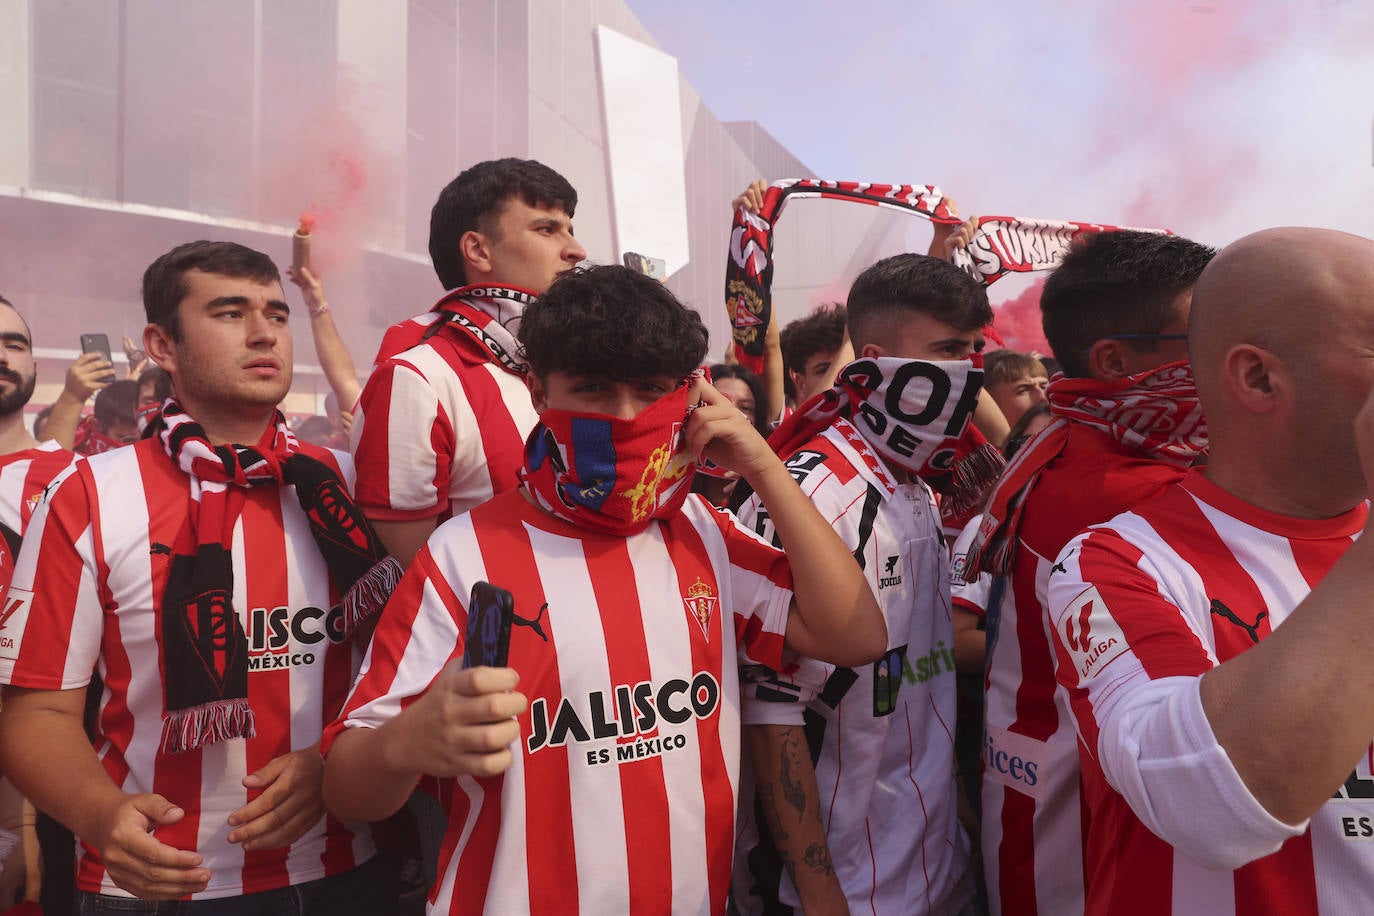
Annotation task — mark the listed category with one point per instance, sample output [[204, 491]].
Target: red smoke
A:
[[1018, 321]]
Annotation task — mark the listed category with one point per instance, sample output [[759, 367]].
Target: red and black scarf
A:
[[1157, 413], [204, 649], [1000, 245], [486, 316]]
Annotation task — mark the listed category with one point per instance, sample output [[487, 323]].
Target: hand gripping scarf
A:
[[915, 414], [1155, 412], [485, 315], [204, 649], [1000, 245], [607, 474]]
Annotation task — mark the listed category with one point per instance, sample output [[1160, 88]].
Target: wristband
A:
[[315, 313]]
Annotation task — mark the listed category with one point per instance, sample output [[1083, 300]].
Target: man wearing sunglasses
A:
[[1127, 424]]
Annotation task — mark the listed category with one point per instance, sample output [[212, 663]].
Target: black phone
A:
[[655, 268], [489, 621], [98, 343]]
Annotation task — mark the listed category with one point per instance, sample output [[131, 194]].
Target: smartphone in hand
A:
[[487, 641], [99, 343]]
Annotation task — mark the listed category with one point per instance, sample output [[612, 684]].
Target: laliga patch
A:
[[1091, 635], [14, 615]]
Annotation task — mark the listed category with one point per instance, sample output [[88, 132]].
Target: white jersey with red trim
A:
[[621, 797], [1142, 607], [84, 598], [440, 427], [23, 477], [885, 731]]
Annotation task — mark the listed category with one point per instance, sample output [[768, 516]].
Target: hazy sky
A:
[[1207, 117]]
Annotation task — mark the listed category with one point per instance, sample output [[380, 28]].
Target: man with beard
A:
[[26, 468], [26, 465]]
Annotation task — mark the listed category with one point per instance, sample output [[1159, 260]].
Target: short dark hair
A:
[[115, 402], [164, 282], [474, 200], [820, 332], [159, 379], [611, 322], [1002, 366], [763, 411], [915, 283], [1120, 282]]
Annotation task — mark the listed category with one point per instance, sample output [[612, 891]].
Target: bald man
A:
[[1216, 640]]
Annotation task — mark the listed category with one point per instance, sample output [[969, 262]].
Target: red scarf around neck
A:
[[1156, 412]]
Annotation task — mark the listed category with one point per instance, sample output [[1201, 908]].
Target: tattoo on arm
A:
[[791, 785], [818, 857]]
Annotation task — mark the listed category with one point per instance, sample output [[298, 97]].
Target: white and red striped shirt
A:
[[621, 798], [1143, 607], [23, 477], [85, 597], [440, 428], [1032, 816], [885, 771]]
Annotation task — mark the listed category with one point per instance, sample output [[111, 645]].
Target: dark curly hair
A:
[[611, 322], [1122, 282], [474, 200]]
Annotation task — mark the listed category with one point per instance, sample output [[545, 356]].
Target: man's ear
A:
[[537, 394], [1107, 360], [475, 249], [871, 351], [157, 343], [1255, 377]]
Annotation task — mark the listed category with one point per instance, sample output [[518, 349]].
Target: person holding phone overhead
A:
[[207, 574], [618, 712]]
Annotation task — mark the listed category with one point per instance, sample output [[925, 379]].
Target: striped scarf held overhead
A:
[[1000, 245], [204, 648]]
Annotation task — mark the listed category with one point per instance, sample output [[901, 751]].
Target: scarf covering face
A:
[[1000, 245], [1155, 412], [486, 315], [914, 413], [607, 474], [204, 648]]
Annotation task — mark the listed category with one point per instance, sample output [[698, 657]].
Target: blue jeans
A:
[[368, 890]]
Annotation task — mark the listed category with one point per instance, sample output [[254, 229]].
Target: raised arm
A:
[[330, 350], [835, 616]]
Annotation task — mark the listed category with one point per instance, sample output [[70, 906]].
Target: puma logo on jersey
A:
[[1251, 630], [159, 549], [889, 580], [532, 624], [1059, 567]]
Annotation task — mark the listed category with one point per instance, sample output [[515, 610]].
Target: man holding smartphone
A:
[[206, 574], [630, 597]]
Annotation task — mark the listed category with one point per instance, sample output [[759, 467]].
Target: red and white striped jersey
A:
[[23, 477], [621, 798], [85, 597], [440, 427], [1145, 605], [885, 731], [1032, 810]]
